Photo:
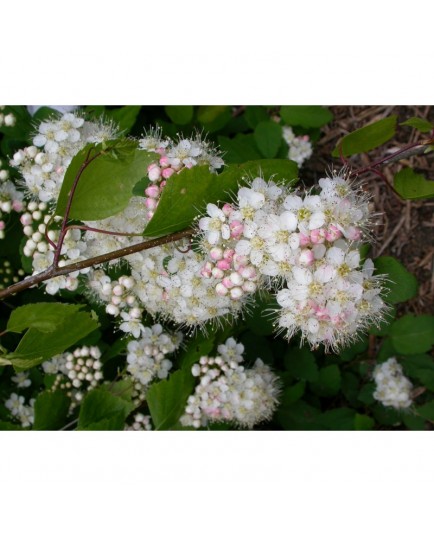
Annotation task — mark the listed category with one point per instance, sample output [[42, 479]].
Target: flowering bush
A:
[[184, 275]]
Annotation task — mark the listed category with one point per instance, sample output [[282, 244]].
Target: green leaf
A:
[[350, 387], [10, 427], [387, 416], [260, 321], [186, 194], [106, 185], [51, 410], [200, 345], [329, 381], [426, 411], [293, 393], [363, 422], [422, 125], [45, 317], [411, 185], [167, 399], [102, 410], [367, 138], [240, 149], [338, 419], [125, 117], [413, 334], [255, 114], [256, 346], [413, 422], [298, 416], [306, 116], [214, 118], [268, 137], [36, 346], [366, 394], [300, 362], [420, 367], [180, 115], [400, 284], [209, 114]]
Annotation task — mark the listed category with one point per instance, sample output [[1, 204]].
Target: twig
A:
[[392, 235], [55, 271]]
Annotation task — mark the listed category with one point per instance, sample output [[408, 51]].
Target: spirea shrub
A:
[[186, 290]]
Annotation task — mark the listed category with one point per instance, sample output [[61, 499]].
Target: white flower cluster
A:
[[173, 158], [300, 148], [23, 413], [44, 163], [8, 275], [271, 236], [392, 387], [8, 120], [146, 357], [76, 372], [229, 392], [141, 423]]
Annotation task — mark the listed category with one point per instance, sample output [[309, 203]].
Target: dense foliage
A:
[[240, 296]]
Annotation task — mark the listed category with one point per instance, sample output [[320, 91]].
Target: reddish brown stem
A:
[[95, 230], [55, 271], [63, 229]]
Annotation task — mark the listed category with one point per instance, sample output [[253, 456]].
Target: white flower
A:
[[309, 211], [22, 379], [215, 227]]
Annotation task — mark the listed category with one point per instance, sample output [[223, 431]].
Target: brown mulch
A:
[[405, 229]]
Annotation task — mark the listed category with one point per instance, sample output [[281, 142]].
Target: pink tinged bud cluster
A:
[[173, 158], [330, 297], [229, 392], [306, 241], [393, 389], [146, 357]]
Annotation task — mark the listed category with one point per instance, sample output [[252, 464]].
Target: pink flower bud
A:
[[306, 257], [217, 273], [150, 203], [154, 172], [354, 233], [304, 240], [236, 278], [236, 228], [227, 209], [26, 219], [249, 286], [118, 290], [317, 236], [333, 233], [168, 172], [221, 290], [247, 272], [164, 161], [240, 260], [17, 205], [216, 253], [227, 282], [152, 191], [224, 264], [2, 225], [236, 293], [229, 254], [149, 214]]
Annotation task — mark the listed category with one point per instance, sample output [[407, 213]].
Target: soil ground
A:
[[405, 229]]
